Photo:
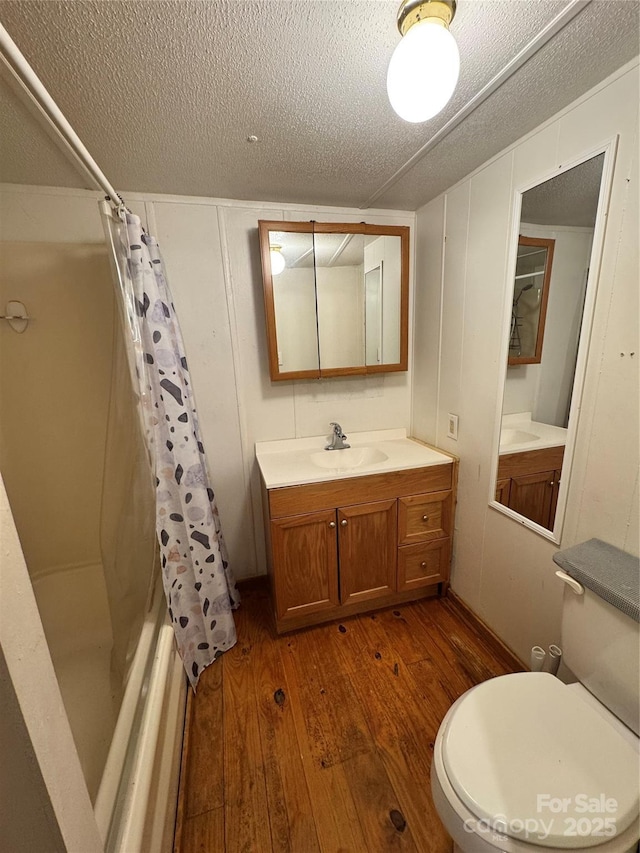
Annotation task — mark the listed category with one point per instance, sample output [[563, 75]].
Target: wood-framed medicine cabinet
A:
[[530, 297], [336, 298]]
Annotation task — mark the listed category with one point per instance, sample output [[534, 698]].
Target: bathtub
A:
[[129, 739]]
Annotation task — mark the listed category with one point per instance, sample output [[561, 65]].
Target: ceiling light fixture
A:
[[277, 259], [423, 71]]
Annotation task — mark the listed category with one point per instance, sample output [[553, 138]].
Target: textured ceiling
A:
[[165, 94], [305, 250]]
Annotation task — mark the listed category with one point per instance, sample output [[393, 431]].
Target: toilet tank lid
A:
[[611, 573], [530, 759]]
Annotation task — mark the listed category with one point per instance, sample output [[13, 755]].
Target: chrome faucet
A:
[[337, 439]]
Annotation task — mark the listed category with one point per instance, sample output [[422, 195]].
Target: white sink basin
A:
[[516, 436], [351, 457], [294, 461], [520, 433]]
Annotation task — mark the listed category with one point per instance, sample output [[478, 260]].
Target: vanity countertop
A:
[[292, 462], [520, 433]]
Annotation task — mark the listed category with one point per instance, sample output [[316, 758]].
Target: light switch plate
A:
[[452, 426]]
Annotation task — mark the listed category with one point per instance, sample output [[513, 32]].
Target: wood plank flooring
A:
[[322, 740]]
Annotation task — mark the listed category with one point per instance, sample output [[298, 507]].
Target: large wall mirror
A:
[[336, 298], [555, 259]]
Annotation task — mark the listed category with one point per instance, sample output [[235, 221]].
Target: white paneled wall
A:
[[504, 571], [190, 241], [239, 403], [428, 304], [501, 569], [213, 261], [212, 256]]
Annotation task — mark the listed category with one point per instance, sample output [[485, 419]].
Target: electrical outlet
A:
[[452, 426]]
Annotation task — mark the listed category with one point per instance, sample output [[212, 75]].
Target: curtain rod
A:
[[28, 84]]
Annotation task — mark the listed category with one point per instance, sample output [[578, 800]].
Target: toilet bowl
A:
[[524, 763]]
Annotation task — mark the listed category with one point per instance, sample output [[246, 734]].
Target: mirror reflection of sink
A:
[[516, 436], [351, 457]]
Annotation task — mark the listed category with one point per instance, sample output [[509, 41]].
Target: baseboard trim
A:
[[484, 632], [251, 580]]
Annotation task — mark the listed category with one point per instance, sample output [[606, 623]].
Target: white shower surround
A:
[[76, 595], [94, 717], [102, 738], [139, 785]]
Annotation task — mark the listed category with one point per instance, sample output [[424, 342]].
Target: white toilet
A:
[[525, 763]]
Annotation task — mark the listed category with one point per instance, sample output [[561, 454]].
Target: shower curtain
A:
[[197, 579]]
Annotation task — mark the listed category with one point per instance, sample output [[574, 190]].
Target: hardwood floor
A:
[[322, 740]]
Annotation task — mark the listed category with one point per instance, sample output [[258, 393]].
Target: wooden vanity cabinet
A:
[[503, 490], [530, 495], [347, 546], [554, 497], [528, 483]]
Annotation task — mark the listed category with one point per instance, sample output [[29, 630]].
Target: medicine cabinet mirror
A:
[[336, 298], [555, 257]]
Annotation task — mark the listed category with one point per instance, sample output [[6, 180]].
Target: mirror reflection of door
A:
[[339, 260], [373, 315], [384, 252], [558, 219]]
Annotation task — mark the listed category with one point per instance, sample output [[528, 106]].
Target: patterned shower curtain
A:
[[198, 583]]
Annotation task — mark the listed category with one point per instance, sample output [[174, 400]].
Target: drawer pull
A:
[[423, 564], [425, 518], [343, 523], [332, 524]]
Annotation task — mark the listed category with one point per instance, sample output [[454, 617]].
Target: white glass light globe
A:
[[277, 261], [423, 71]]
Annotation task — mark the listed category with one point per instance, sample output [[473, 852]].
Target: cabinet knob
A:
[[552, 483], [425, 518], [332, 524], [423, 565], [343, 523]]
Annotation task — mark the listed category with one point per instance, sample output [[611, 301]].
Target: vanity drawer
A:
[[423, 564], [312, 497], [422, 518]]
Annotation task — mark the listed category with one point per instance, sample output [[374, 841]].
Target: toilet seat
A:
[[530, 760]]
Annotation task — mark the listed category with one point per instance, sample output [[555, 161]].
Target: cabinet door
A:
[[424, 517], [305, 561], [368, 552], [554, 498], [531, 496], [503, 488], [424, 564]]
